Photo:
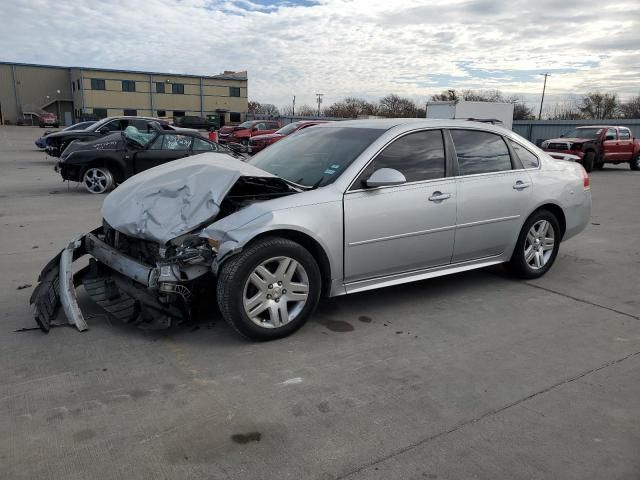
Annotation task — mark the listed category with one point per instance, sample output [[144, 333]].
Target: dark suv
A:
[[57, 142]]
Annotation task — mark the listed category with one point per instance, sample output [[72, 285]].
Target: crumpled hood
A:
[[175, 198]]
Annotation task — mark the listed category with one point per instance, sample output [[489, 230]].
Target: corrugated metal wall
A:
[[538, 130]]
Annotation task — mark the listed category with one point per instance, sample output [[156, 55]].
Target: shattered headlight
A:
[[191, 250]]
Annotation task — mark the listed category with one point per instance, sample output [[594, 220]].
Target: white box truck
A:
[[462, 110]]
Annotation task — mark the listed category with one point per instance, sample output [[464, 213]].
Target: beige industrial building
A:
[[75, 93]]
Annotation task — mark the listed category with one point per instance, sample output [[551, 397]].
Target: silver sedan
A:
[[334, 209]]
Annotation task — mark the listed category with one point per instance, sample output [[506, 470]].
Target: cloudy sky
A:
[[366, 48]]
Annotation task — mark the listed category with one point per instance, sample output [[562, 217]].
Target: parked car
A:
[[107, 161], [199, 123], [597, 145], [335, 209], [242, 133], [47, 119], [260, 142], [57, 142], [41, 142]]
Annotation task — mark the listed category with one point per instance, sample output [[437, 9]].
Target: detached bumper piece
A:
[[121, 285]]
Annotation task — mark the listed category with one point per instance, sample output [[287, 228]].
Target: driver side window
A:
[[418, 156], [611, 134], [114, 126]]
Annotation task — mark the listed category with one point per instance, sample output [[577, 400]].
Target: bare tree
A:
[[445, 96], [631, 108], [395, 106], [306, 111], [253, 106], [350, 107], [599, 106], [263, 108], [567, 110]]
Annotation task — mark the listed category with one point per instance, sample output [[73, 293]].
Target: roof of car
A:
[[388, 123]]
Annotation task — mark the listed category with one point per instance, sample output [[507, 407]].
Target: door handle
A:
[[439, 196], [520, 185]]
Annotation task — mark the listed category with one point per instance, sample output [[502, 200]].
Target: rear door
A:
[[396, 229], [165, 148], [626, 144], [494, 194]]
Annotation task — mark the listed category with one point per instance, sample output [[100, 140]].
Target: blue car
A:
[[42, 141]]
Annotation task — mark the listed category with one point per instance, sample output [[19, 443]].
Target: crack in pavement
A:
[[479, 418], [582, 300]]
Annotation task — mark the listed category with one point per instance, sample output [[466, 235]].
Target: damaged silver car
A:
[[334, 209]]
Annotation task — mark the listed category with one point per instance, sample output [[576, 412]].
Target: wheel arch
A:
[[308, 242], [112, 164], [556, 210]]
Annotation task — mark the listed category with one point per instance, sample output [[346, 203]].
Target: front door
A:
[[610, 145], [165, 148], [626, 144], [493, 196], [406, 227]]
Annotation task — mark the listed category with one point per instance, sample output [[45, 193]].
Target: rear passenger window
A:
[[624, 134], [528, 159], [202, 146], [480, 152], [419, 156]]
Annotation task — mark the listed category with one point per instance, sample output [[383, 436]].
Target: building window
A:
[[177, 88], [234, 117], [161, 113], [79, 84], [128, 86], [97, 84], [73, 86], [159, 87], [100, 113], [178, 113], [234, 91], [130, 112]]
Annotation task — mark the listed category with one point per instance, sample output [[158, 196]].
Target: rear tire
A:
[[270, 289], [589, 160], [537, 246], [635, 163]]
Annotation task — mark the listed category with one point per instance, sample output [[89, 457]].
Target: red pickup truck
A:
[[597, 145], [243, 132]]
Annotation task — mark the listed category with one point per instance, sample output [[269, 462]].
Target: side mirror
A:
[[385, 177]]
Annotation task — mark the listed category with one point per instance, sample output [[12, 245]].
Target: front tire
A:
[[270, 289], [97, 180], [588, 161], [537, 246]]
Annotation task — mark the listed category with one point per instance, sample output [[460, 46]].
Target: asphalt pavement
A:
[[475, 375]]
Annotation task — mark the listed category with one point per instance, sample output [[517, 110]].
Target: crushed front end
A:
[[134, 280]]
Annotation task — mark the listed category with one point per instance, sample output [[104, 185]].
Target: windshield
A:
[[135, 135], [315, 156], [287, 129], [583, 133], [245, 125]]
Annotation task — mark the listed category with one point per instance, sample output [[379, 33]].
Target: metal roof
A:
[[221, 76]]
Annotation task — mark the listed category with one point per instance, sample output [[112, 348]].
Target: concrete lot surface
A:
[[476, 375]]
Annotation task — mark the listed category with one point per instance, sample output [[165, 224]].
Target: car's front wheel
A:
[[537, 245], [270, 289], [588, 162], [97, 179]]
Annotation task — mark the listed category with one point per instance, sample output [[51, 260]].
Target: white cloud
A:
[[362, 47]]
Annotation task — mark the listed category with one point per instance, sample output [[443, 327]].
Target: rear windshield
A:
[[315, 156], [287, 129]]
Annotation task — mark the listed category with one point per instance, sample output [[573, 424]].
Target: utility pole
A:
[[543, 89], [293, 109], [319, 96]]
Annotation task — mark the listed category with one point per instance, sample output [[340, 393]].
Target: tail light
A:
[[586, 183]]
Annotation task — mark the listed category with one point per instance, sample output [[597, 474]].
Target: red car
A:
[[243, 132], [597, 145], [260, 142]]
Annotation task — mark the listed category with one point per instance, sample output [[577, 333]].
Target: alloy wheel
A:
[[97, 180], [538, 246], [276, 292]]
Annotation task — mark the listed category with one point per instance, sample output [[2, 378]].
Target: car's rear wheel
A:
[[589, 160], [635, 163], [270, 289], [537, 245], [97, 179]]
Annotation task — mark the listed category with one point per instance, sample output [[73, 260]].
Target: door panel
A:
[[397, 229], [611, 147], [490, 213]]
